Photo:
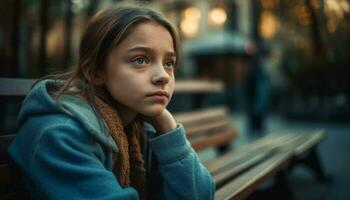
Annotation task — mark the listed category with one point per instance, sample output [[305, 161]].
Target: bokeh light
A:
[[217, 16]]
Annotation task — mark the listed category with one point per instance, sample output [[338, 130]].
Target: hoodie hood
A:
[[39, 102]]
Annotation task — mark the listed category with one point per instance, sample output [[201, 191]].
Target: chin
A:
[[153, 112]]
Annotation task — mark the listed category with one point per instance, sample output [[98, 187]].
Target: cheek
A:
[[116, 86], [134, 85], [171, 86], [126, 86]]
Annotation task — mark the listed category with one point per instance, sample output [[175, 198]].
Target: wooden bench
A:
[[237, 173], [240, 171], [207, 128]]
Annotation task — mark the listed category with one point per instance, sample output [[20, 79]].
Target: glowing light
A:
[[268, 25], [217, 16], [337, 7], [335, 10], [192, 13], [189, 28], [190, 21]]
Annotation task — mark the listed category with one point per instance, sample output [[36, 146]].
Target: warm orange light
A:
[[337, 7], [267, 4], [335, 10], [217, 16], [268, 25], [190, 21], [189, 28], [192, 13]]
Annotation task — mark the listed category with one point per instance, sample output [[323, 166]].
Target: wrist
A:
[[165, 126]]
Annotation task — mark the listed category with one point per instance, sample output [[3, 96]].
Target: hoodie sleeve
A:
[[67, 163], [184, 177]]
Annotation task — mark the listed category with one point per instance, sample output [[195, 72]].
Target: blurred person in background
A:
[[257, 90]]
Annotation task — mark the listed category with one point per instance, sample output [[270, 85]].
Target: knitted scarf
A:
[[128, 163]]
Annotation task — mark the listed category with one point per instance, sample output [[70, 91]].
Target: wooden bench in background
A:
[[240, 171], [237, 173], [11, 187]]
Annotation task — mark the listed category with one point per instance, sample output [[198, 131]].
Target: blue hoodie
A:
[[65, 152]]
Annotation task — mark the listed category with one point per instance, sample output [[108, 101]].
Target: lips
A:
[[161, 93]]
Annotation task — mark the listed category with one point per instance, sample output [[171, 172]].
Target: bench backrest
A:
[[11, 186], [207, 128]]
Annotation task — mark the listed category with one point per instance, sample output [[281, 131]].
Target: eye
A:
[[170, 64], [139, 61]]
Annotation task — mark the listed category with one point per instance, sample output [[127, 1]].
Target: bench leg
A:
[[222, 149], [312, 160], [282, 187], [279, 190]]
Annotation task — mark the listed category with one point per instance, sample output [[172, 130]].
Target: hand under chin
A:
[[163, 122]]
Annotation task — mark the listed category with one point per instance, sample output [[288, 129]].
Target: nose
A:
[[160, 76]]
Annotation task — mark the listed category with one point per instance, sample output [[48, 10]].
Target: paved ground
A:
[[334, 152]]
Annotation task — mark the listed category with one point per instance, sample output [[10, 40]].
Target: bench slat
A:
[[249, 149], [207, 127], [15, 87], [315, 138], [198, 86], [245, 184], [190, 117], [271, 140], [213, 140], [234, 169], [298, 142]]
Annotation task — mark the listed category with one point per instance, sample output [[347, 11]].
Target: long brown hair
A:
[[105, 31]]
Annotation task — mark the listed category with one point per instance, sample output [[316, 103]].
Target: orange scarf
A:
[[128, 163]]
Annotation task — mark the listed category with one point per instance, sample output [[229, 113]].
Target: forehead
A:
[[150, 34]]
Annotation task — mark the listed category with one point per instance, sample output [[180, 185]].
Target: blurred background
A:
[[284, 64]]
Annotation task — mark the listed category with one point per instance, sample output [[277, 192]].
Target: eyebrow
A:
[[149, 50]]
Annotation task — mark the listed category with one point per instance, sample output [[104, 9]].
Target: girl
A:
[[103, 131]]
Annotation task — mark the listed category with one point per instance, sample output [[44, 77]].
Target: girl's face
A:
[[140, 70]]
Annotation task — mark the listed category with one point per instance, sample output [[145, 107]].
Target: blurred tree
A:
[[315, 36], [44, 4]]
